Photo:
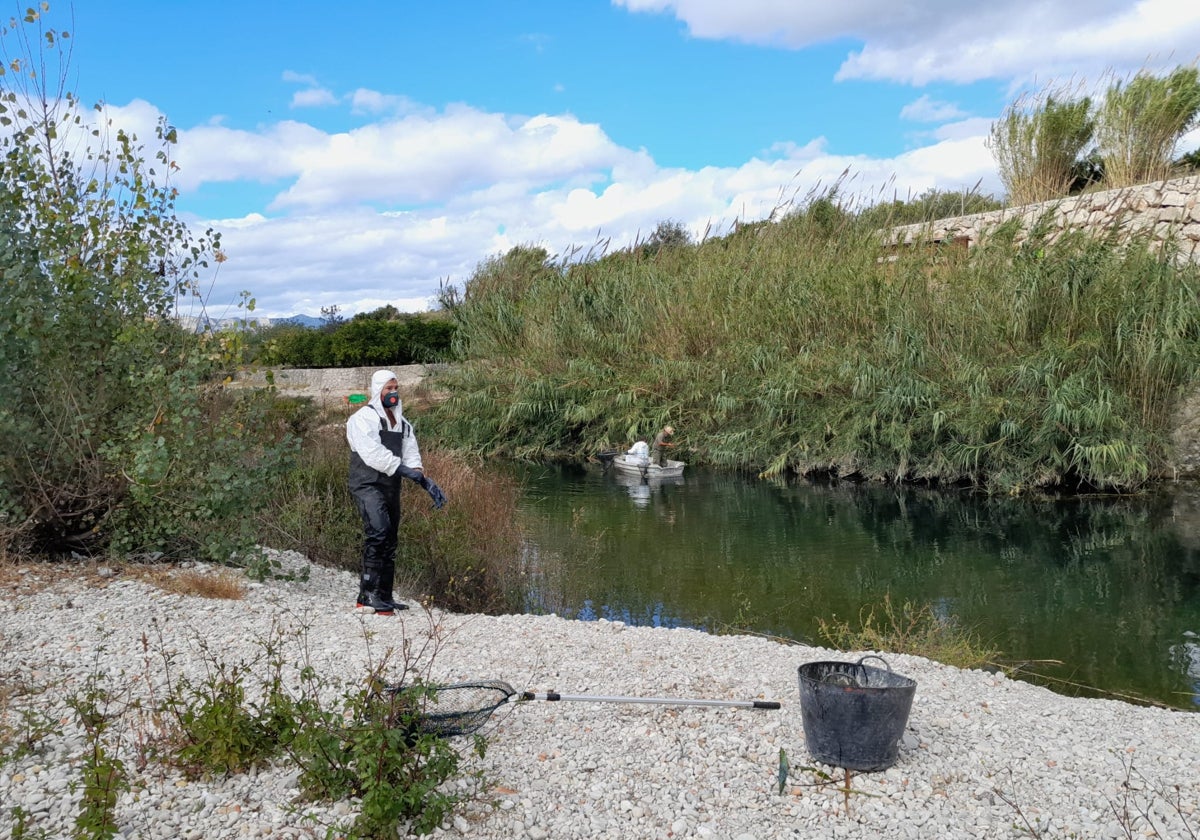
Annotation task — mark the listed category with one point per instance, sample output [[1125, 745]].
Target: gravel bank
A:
[[983, 756]]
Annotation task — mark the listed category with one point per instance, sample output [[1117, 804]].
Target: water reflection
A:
[[644, 490], [1111, 587]]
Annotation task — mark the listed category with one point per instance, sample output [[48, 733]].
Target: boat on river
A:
[[633, 465]]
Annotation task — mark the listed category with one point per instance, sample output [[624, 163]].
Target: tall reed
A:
[[1140, 122], [803, 346], [1037, 141]]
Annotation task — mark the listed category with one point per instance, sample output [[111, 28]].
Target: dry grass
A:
[[32, 575], [220, 584], [25, 577]]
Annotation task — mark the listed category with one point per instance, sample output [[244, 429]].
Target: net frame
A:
[[459, 708]]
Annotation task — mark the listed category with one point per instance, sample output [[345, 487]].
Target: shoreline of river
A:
[[982, 755]]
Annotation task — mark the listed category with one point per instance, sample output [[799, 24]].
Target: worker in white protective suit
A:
[[383, 451]]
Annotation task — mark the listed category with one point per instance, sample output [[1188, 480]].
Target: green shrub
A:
[[368, 339], [113, 432]]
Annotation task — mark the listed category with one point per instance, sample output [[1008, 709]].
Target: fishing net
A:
[[459, 708], [463, 708]]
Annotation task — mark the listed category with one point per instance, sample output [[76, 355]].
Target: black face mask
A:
[[390, 400]]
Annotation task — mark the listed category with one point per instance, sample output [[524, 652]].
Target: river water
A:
[[1110, 588]]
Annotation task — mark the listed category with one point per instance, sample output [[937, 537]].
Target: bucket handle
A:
[[844, 679], [863, 668]]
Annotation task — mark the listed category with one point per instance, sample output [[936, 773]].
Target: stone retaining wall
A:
[[327, 386], [1165, 211]]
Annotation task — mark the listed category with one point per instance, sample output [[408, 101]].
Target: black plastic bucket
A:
[[854, 714]]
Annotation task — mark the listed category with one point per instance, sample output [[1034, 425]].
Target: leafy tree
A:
[[1086, 172], [1189, 162], [387, 312], [366, 339], [667, 234], [114, 431]]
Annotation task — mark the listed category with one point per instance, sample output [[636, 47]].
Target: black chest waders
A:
[[377, 496]]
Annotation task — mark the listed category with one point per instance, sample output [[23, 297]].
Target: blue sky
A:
[[360, 154]]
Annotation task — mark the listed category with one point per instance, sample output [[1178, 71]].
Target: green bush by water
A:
[[804, 346]]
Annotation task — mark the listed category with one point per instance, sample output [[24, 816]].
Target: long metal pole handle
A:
[[553, 696]]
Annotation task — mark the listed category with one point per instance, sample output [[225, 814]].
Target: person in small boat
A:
[[662, 442]]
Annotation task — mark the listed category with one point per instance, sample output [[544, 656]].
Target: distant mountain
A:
[[301, 320], [204, 323]]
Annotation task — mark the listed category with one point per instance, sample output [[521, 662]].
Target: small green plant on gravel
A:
[[23, 724], [103, 772], [372, 749], [366, 745], [220, 732], [909, 628], [21, 829]]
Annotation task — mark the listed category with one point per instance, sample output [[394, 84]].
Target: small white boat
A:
[[630, 465]]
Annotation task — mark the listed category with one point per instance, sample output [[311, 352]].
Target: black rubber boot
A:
[[384, 590], [369, 597], [376, 604]]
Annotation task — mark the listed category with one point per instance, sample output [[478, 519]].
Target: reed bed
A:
[[804, 346]]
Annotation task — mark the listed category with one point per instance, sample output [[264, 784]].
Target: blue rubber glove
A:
[[427, 484], [435, 492]]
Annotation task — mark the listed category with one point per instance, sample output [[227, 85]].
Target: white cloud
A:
[[424, 158], [918, 43], [313, 98], [384, 213], [366, 101], [927, 109], [300, 78], [486, 182]]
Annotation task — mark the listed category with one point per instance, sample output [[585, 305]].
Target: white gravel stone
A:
[[981, 756]]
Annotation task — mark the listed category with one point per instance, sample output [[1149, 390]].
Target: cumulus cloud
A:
[[359, 225], [313, 98], [387, 211], [942, 40], [927, 109], [425, 158]]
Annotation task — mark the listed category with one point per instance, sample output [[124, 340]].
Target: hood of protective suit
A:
[[378, 379]]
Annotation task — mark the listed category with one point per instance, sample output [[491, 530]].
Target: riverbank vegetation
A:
[[804, 346], [115, 432], [910, 628]]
